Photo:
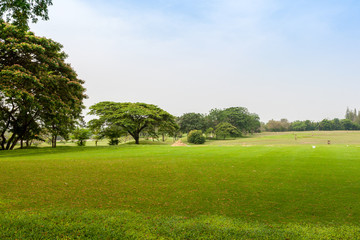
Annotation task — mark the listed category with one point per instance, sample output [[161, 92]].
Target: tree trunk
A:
[[14, 143], [136, 137], [21, 144], [53, 141], [9, 142], [3, 141]]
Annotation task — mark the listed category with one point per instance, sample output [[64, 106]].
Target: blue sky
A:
[[280, 59]]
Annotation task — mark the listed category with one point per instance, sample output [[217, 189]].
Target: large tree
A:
[[225, 129], [19, 12], [131, 117], [239, 117], [37, 89], [192, 121]]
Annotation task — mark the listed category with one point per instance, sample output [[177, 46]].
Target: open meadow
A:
[[267, 186]]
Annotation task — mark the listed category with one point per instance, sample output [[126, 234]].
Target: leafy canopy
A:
[[19, 12], [131, 117], [38, 89], [225, 129]]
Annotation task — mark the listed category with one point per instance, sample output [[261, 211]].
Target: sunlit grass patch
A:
[[216, 191], [100, 224]]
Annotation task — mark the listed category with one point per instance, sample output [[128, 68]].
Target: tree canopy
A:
[[38, 89], [19, 12], [225, 129], [131, 117], [191, 121], [239, 117]]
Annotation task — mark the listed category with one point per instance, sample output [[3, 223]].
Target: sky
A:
[[278, 58]]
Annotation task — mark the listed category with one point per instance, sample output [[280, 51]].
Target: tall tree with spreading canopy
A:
[[38, 89], [19, 12], [132, 117]]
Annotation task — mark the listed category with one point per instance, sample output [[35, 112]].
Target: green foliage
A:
[[81, 134], [278, 126], [191, 121], [113, 141], [239, 117], [353, 116], [210, 132], [349, 125], [169, 128], [19, 12], [226, 129], [307, 125], [38, 89], [196, 137], [132, 118]]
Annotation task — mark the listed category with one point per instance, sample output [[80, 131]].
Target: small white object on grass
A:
[[314, 146]]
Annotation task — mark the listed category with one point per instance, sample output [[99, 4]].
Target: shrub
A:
[[114, 142], [196, 137]]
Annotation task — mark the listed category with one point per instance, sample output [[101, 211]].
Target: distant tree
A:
[[191, 121], [114, 133], [81, 134], [278, 126], [254, 125], [19, 12], [298, 126], [306, 125], [214, 117], [353, 115], [226, 129], [131, 117], [167, 128], [310, 126], [347, 124], [336, 124], [326, 125], [109, 131], [97, 136], [210, 132], [240, 117]]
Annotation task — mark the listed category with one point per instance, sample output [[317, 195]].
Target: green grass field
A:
[[269, 186]]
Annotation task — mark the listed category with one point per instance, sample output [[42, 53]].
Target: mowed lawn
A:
[[266, 186]]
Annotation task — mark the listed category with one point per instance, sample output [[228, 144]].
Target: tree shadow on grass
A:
[[38, 151], [49, 150]]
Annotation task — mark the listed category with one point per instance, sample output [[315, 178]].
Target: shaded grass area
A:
[[128, 225]]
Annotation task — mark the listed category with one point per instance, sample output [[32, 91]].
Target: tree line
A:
[[350, 122], [233, 121]]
